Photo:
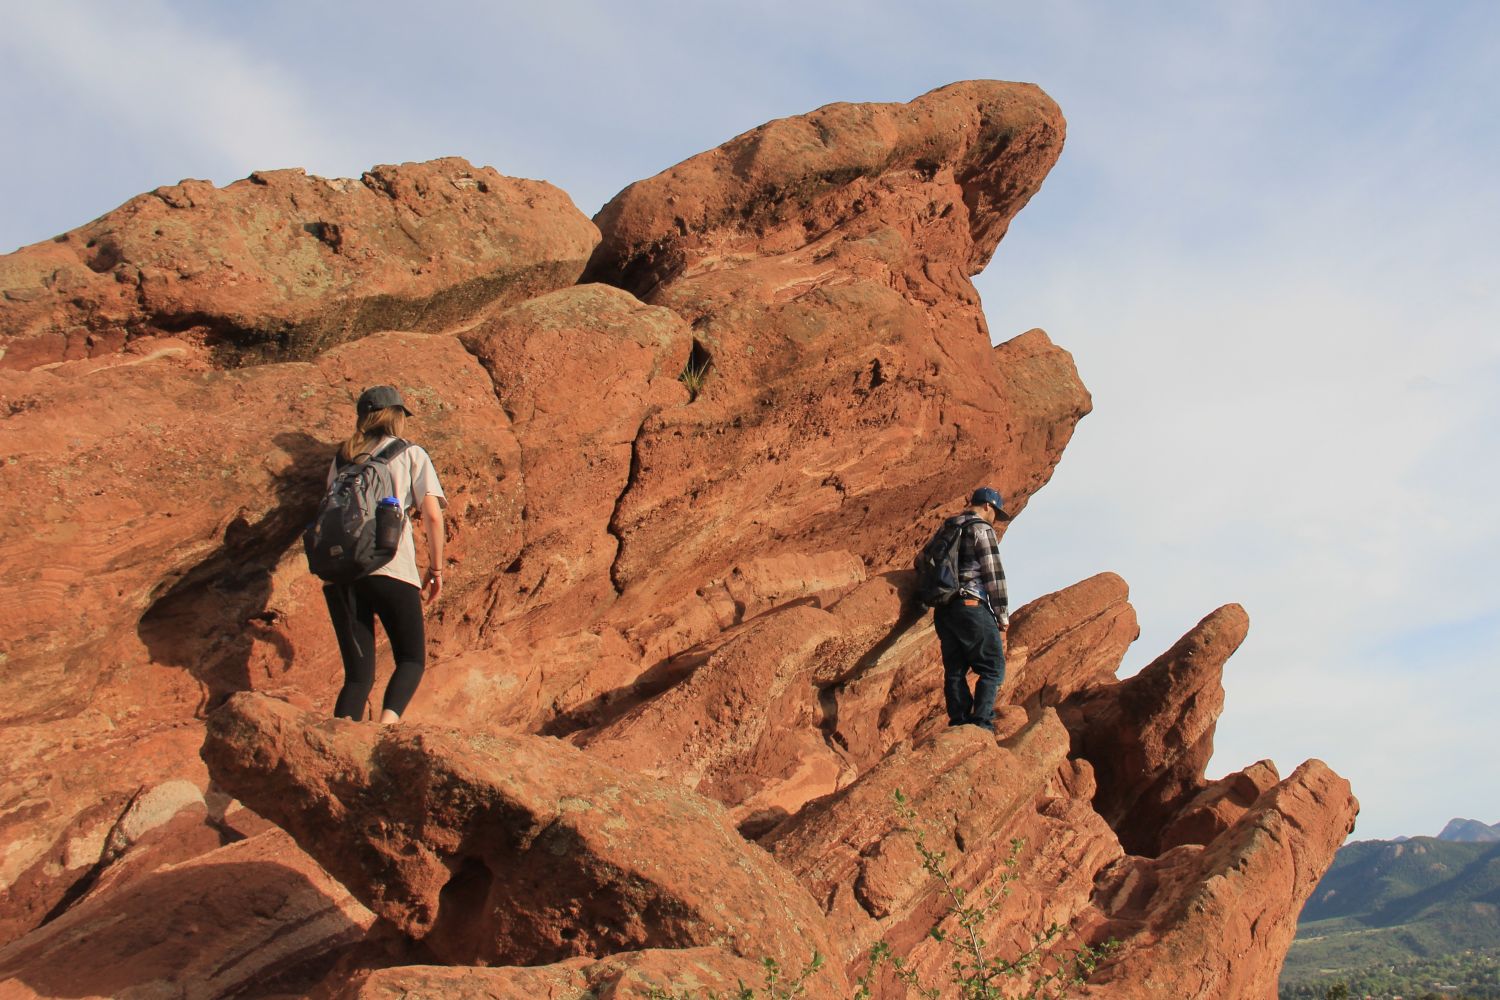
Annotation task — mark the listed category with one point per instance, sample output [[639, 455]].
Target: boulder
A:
[[508, 850], [1011, 815], [235, 918], [87, 801], [1217, 921], [282, 265], [694, 972]]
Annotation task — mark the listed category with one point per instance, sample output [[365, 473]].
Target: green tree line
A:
[[1467, 975]]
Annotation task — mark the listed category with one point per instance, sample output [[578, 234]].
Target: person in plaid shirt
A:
[[972, 626]]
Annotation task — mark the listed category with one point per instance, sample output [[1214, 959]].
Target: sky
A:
[[1272, 244]]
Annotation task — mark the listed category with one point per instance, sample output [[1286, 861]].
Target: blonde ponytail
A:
[[370, 428]]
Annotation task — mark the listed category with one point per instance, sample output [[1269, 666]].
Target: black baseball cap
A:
[[986, 495], [378, 397]]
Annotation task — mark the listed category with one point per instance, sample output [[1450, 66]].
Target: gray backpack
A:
[[343, 543]]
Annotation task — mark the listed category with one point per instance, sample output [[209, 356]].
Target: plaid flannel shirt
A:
[[979, 569]]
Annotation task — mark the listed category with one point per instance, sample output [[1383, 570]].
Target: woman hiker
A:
[[393, 591]]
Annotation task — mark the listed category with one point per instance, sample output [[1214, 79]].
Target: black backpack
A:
[[342, 543], [937, 563]]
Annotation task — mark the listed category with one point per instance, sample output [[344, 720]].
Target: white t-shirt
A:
[[415, 479]]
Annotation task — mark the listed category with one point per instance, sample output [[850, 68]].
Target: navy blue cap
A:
[[986, 495], [379, 397]]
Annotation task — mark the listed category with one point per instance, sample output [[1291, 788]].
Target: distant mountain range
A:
[[1387, 902], [1470, 831]]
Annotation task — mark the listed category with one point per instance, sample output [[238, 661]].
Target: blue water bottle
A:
[[388, 522]]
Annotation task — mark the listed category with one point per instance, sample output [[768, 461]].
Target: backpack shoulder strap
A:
[[980, 522], [390, 451], [964, 526]]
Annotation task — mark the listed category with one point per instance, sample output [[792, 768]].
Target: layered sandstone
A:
[[508, 850], [231, 920], [284, 265], [640, 975], [676, 678]]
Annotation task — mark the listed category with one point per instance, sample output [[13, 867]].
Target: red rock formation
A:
[[683, 500], [1058, 644], [164, 573], [1150, 737], [283, 265], [971, 797], [170, 573], [1070, 640], [824, 263], [231, 919], [80, 795], [984, 147], [1216, 921], [627, 976], [508, 850], [1215, 809]]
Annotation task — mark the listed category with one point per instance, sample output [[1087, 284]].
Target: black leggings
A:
[[353, 609]]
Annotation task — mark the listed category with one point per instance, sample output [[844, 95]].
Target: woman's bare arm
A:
[[432, 524]]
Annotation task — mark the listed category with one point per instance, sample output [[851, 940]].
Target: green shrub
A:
[[975, 972], [692, 376]]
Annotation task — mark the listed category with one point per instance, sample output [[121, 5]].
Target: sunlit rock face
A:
[[676, 678]]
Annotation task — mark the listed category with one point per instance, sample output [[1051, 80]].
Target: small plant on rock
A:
[[775, 987], [977, 974], [692, 377]]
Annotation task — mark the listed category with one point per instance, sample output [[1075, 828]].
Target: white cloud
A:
[[147, 66]]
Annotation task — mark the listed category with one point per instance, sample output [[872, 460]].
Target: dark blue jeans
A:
[[970, 638]]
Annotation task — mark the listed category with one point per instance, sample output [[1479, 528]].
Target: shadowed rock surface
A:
[[507, 850], [675, 676], [227, 922]]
